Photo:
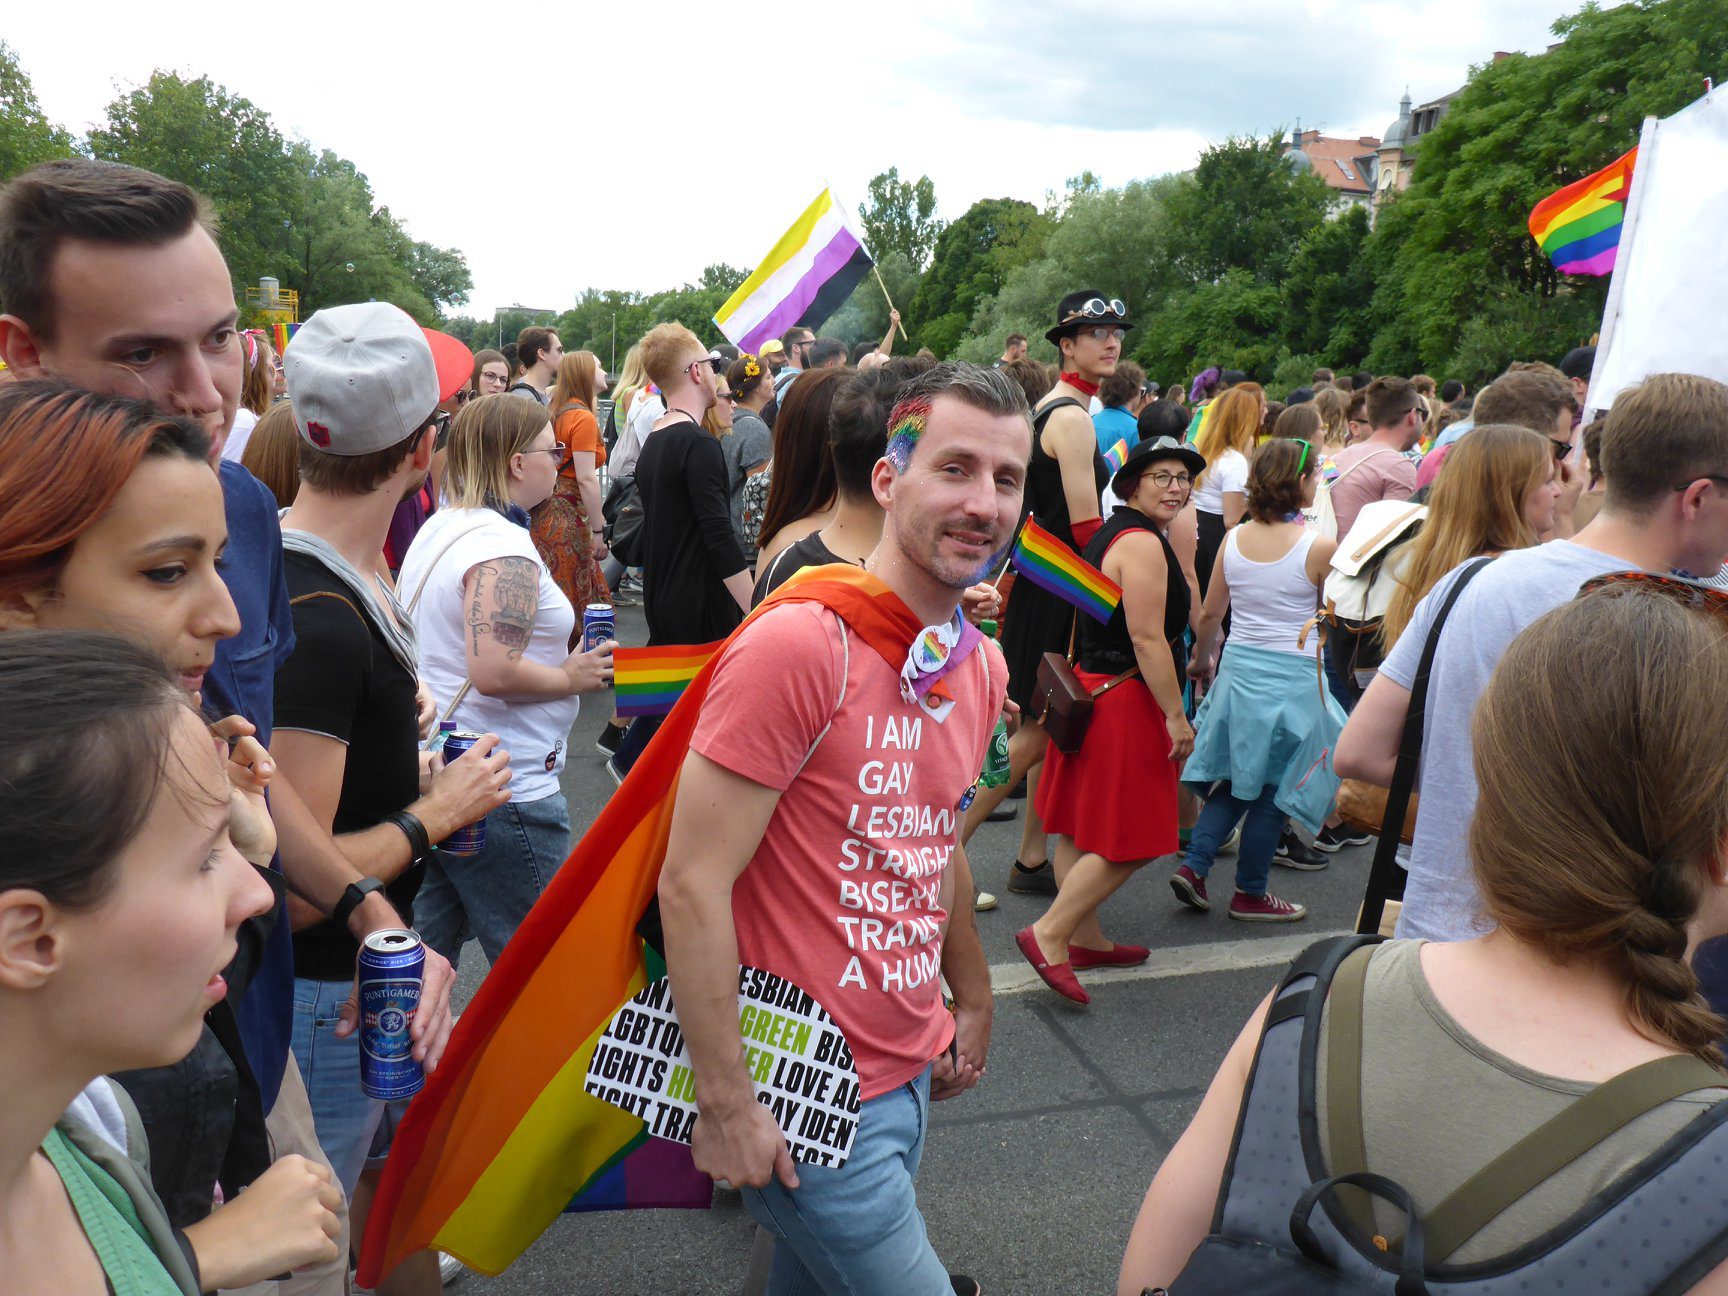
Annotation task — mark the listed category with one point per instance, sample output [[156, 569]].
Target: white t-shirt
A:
[[238, 435], [535, 733], [645, 411], [1230, 473]]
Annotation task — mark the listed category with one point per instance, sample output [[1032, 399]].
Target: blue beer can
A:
[[391, 966], [469, 840], [599, 623]]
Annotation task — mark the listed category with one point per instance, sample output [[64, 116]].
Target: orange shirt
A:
[[578, 429]]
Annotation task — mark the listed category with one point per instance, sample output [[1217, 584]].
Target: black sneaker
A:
[[1336, 839], [1018, 791], [964, 1286], [1001, 814], [1032, 881], [1293, 853], [613, 734]]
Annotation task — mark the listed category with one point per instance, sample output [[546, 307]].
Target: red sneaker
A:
[[1116, 956], [1058, 976], [1190, 889], [1264, 908]]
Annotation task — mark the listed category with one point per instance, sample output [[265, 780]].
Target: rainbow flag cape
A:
[[1579, 226], [1051, 565], [804, 279], [1117, 454], [649, 681], [280, 334], [503, 1137]]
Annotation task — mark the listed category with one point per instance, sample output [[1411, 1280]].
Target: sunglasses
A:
[[1681, 589], [463, 396], [1713, 477], [1097, 308], [556, 448], [1564, 448]]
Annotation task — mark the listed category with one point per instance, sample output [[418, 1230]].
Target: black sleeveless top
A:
[[1107, 649]]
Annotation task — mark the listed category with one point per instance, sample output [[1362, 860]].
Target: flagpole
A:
[[890, 301]]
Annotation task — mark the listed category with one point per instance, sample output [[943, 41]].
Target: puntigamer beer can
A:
[[599, 623], [391, 964], [468, 840]]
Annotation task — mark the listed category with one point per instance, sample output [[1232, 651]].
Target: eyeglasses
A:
[[556, 448], [441, 423], [1681, 589], [1097, 308], [1164, 480], [1102, 334], [1700, 477]]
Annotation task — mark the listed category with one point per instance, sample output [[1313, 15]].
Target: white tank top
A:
[[1270, 602]]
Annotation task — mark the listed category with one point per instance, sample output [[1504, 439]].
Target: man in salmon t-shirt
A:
[[815, 835]]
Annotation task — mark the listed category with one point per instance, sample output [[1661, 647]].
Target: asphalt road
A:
[[1030, 1182]]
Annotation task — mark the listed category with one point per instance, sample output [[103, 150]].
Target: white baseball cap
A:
[[361, 377]]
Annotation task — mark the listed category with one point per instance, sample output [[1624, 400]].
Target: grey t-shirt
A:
[[748, 445], [1440, 898]]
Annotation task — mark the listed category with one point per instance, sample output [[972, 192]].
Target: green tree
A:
[[1247, 209], [973, 258], [1455, 246], [1327, 292], [1232, 323], [864, 316], [26, 135], [900, 216]]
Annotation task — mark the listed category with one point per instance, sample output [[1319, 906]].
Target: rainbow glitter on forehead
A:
[[905, 425]]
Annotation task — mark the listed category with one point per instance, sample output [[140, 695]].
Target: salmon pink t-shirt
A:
[[844, 894]]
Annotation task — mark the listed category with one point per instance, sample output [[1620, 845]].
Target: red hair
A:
[[65, 454]]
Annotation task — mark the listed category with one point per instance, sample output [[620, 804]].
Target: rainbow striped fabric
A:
[[804, 279], [1117, 454], [649, 681], [504, 1138], [1052, 566], [280, 334], [1579, 226]]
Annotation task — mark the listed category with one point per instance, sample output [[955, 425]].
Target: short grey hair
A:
[[989, 390]]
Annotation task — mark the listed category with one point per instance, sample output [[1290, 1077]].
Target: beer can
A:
[[391, 965], [469, 840], [599, 623], [996, 757]]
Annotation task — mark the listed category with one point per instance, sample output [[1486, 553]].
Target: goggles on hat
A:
[[1097, 308]]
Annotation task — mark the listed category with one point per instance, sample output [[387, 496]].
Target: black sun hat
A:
[[1149, 452], [1085, 308]]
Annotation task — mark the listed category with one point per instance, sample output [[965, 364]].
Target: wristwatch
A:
[[352, 898]]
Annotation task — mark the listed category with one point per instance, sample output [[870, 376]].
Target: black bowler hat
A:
[[1085, 308], [1149, 452]]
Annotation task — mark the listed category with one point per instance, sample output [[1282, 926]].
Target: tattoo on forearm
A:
[[506, 598]]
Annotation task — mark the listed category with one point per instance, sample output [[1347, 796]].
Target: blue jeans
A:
[[1339, 678], [489, 893], [855, 1230], [1260, 829], [345, 1119], [635, 741]]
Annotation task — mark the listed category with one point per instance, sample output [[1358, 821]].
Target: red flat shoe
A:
[[1118, 956], [1058, 976]]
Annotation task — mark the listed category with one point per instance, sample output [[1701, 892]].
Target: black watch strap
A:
[[352, 898], [419, 844]]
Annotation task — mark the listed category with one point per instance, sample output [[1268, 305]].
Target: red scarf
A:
[[1076, 381]]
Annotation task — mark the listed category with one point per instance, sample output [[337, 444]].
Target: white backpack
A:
[[1359, 588], [1321, 518]]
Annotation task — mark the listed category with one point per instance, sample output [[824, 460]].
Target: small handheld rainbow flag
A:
[[1117, 454], [1579, 226], [649, 681], [280, 335], [1052, 566]]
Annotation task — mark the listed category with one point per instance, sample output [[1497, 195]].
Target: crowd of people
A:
[[243, 596]]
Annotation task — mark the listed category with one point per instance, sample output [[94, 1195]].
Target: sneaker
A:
[[613, 734], [1232, 841], [983, 902], [1293, 853], [622, 597], [1336, 839], [1032, 881], [632, 586], [1001, 814], [1190, 888], [616, 773], [1264, 908], [450, 1269], [1018, 791], [964, 1286]]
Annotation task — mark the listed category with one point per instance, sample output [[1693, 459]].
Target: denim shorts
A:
[[489, 893], [351, 1127], [855, 1230]]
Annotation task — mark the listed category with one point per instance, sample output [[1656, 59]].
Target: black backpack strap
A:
[[1043, 415], [1383, 873], [1558, 1142]]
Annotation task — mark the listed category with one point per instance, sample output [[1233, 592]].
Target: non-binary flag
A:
[[809, 273], [1579, 226], [1052, 566], [649, 681]]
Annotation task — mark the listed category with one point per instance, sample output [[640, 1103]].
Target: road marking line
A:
[[1174, 961]]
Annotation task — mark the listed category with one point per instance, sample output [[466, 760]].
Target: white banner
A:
[[1667, 308]]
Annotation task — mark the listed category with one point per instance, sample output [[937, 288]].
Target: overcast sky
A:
[[628, 148]]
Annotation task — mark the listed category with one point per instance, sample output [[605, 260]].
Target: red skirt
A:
[[1116, 796]]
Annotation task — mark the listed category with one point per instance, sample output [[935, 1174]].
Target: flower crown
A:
[[752, 369]]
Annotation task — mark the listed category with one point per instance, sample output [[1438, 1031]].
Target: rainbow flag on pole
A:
[[649, 681], [280, 334], [1052, 566], [1117, 454], [809, 273], [1579, 226]]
